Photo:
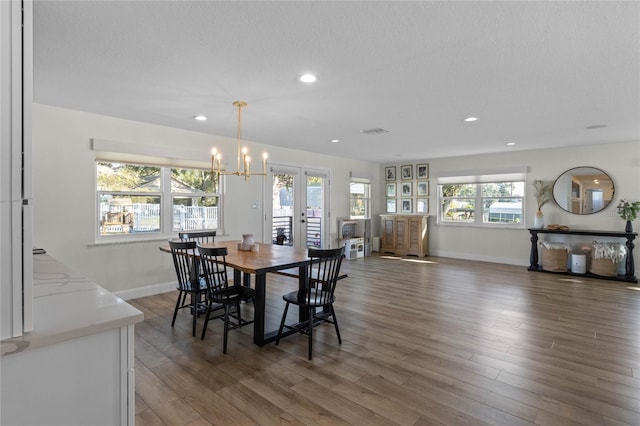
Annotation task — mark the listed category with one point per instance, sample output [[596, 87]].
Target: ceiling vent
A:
[[375, 131]]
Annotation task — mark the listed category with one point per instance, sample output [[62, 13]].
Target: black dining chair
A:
[[198, 236], [323, 274], [189, 282], [219, 292]]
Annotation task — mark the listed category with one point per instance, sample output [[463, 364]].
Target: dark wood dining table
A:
[[268, 258]]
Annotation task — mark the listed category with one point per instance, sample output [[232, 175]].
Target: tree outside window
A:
[[482, 203]]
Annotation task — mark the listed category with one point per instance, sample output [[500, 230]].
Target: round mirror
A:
[[583, 190]]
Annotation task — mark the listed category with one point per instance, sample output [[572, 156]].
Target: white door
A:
[[297, 210], [593, 200]]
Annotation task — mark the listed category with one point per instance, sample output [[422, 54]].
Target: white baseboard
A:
[[149, 290], [481, 258]]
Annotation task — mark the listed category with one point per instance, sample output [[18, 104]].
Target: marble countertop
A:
[[67, 306]]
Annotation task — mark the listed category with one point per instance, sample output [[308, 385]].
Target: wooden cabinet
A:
[[404, 235]]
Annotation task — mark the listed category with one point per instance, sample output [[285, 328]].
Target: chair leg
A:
[[335, 323], [175, 311], [195, 312], [311, 313], [206, 320], [239, 315], [226, 328], [284, 316]]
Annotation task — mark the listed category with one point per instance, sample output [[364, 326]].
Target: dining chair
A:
[[189, 282], [219, 292], [198, 236], [323, 273]]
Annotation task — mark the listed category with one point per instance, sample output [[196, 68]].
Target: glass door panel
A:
[[283, 227], [315, 221], [298, 201]]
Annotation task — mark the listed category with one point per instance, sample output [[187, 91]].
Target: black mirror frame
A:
[[596, 170]]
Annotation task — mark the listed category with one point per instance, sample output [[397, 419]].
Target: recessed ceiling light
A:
[[334, 140], [200, 117], [308, 78], [470, 119], [510, 143]]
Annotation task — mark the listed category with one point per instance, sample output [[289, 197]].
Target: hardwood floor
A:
[[426, 341]]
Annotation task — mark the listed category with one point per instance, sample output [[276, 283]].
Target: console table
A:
[[629, 275]]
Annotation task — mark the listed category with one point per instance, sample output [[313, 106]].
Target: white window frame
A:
[[166, 204], [479, 177], [366, 198]]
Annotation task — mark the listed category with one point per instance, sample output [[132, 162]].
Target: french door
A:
[[297, 207]]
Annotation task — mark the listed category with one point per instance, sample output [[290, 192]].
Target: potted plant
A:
[[628, 210], [543, 196]]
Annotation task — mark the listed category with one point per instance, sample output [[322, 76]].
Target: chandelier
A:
[[243, 155]]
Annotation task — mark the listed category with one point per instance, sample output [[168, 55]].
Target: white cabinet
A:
[[83, 381], [16, 95], [77, 366]]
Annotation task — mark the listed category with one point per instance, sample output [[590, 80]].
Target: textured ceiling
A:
[[535, 73]]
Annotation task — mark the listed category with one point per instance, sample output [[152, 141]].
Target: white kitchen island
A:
[[77, 366]]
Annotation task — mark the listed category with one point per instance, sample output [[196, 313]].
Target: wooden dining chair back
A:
[[189, 283], [219, 292], [323, 274], [198, 236]]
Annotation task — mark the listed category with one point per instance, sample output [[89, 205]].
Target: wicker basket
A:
[[555, 259], [603, 267], [606, 257]]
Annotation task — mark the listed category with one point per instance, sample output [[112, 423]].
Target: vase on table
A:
[[247, 241], [628, 227], [538, 222]]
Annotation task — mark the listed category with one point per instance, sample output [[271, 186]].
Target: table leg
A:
[[533, 256], [630, 268], [259, 310]]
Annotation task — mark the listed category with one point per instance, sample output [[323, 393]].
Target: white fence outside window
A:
[[141, 217]]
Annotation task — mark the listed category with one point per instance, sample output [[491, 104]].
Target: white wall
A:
[[621, 161], [64, 193]]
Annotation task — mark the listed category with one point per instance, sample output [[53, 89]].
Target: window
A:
[[482, 203], [133, 197], [359, 201], [482, 198], [195, 204]]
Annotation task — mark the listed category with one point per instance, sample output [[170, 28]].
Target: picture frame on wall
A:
[[422, 205], [391, 190], [406, 205], [422, 171], [390, 173], [406, 189], [422, 189], [406, 172], [391, 205]]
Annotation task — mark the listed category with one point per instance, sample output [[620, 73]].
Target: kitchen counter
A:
[[77, 365], [68, 306]]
